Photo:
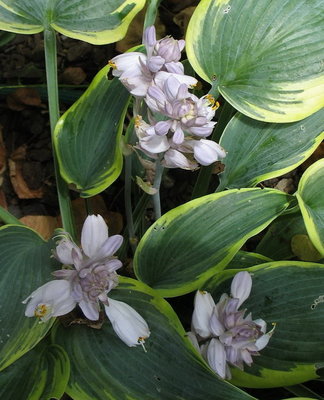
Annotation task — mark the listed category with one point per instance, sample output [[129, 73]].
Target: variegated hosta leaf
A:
[[276, 243], [26, 264], [310, 197], [289, 294], [105, 368], [42, 374], [87, 137], [265, 57], [192, 242], [258, 150], [94, 21], [244, 259]]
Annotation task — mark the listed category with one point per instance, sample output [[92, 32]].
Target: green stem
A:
[[151, 12], [157, 183], [8, 218], [128, 202], [53, 105], [202, 183]]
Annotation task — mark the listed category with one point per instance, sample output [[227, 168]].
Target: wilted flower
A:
[[137, 71], [223, 333], [88, 282]]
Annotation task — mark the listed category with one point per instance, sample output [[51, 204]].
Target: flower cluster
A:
[[89, 275], [179, 121], [221, 332]]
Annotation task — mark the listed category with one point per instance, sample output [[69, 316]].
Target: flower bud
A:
[[131, 328]]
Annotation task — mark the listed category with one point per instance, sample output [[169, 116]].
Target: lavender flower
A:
[[89, 277], [186, 112], [225, 335], [137, 71], [186, 155]]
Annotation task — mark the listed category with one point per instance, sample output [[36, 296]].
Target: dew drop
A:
[[302, 127]]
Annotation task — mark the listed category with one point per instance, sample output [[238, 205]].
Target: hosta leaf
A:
[[26, 264], [310, 197], [258, 150], [264, 57], [276, 243], [287, 293], [244, 259], [42, 374], [87, 137], [95, 21], [190, 243], [105, 368]]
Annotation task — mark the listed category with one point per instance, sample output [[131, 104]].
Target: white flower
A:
[[203, 311], [50, 300], [131, 328], [241, 287], [206, 151]]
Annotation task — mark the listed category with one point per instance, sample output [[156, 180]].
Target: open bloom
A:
[[50, 300], [89, 276], [186, 112], [186, 155], [137, 71], [224, 334]]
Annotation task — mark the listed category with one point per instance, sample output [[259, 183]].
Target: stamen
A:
[[138, 121], [141, 341], [112, 64], [215, 104], [41, 310]]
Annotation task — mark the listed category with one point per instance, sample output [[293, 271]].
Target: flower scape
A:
[[89, 274]]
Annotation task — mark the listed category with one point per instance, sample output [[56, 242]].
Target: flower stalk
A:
[[53, 105]]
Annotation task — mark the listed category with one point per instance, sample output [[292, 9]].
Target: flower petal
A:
[[131, 328], [241, 286], [155, 144], [193, 339], [94, 234], [50, 300], [63, 251], [90, 309], [109, 247], [149, 39], [216, 327], [175, 159], [216, 357], [206, 151], [203, 309]]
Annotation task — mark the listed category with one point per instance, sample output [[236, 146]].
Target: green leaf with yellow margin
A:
[[289, 294], [264, 57], [310, 195], [41, 374], [276, 243], [87, 137], [192, 242], [105, 368], [93, 21], [26, 264], [245, 259], [258, 150]]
